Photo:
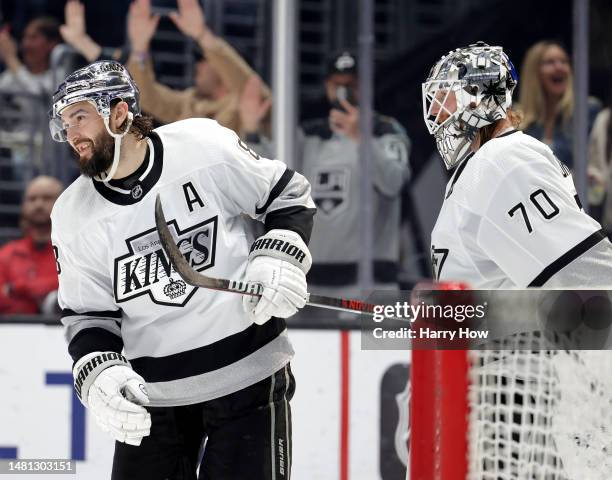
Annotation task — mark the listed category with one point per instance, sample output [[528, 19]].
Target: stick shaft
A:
[[197, 279]]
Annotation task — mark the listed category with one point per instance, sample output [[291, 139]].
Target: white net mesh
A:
[[539, 414]]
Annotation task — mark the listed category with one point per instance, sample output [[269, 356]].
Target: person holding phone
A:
[[328, 155]]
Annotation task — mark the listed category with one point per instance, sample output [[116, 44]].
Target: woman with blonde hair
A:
[[546, 98]]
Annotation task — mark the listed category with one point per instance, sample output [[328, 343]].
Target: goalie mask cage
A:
[[515, 413]]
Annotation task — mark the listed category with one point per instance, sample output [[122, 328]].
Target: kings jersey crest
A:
[[330, 190], [146, 270]]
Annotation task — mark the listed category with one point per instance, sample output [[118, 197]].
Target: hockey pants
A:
[[245, 435]]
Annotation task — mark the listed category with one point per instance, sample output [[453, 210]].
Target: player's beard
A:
[[102, 153]]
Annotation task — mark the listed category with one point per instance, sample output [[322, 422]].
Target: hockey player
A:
[[511, 216], [206, 364]]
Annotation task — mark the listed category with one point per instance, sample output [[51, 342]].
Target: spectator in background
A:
[[74, 33], [547, 98], [26, 85], [33, 73], [329, 158], [600, 169], [220, 73], [28, 275]]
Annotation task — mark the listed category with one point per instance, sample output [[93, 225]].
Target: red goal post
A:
[[515, 412], [438, 415], [438, 409]]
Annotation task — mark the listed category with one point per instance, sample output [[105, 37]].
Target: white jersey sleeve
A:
[[267, 190], [532, 219]]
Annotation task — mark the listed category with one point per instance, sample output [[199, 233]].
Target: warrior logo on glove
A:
[[106, 384], [279, 261], [94, 364], [281, 246]]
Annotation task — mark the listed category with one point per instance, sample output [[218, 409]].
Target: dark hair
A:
[[48, 27], [142, 125]]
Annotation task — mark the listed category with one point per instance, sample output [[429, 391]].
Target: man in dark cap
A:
[[341, 85]]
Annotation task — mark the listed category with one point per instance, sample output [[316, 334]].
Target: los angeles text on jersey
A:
[[145, 269]]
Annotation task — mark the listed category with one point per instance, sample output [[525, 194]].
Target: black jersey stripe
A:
[[102, 314], [276, 190], [509, 132], [296, 218], [211, 357], [94, 339], [567, 258]]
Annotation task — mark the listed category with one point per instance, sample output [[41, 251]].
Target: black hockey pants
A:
[[247, 436]]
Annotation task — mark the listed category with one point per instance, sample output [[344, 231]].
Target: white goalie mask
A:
[[466, 90], [99, 84]]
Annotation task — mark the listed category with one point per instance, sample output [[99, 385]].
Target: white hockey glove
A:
[[279, 260], [107, 385]]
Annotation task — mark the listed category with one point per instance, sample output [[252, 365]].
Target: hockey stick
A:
[[181, 265]]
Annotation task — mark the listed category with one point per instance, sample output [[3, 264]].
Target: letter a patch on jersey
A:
[[145, 269]]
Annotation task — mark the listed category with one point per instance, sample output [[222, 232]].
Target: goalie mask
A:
[[466, 90], [99, 84]]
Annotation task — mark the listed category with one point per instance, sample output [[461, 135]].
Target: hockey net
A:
[[517, 412]]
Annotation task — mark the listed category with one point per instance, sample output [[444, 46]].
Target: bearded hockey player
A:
[[511, 216], [163, 365]]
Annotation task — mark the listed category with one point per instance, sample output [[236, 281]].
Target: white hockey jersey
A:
[[118, 290], [511, 218]]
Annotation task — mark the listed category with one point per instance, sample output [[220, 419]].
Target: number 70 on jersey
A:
[[543, 204]]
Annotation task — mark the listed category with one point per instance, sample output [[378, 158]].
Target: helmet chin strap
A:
[[108, 175]]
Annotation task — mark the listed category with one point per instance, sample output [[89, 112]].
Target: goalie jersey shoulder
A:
[[510, 212], [515, 161]]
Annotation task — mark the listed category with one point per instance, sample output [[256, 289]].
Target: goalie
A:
[[511, 217], [163, 365]]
